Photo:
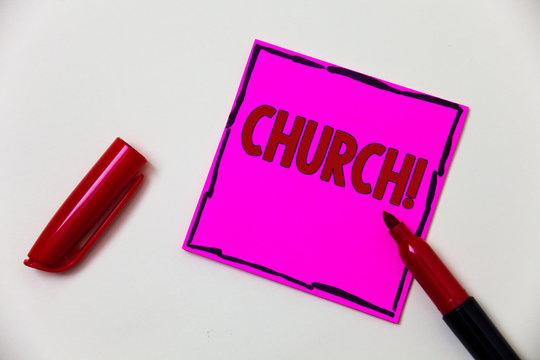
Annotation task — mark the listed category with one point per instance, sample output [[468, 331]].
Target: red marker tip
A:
[[390, 220]]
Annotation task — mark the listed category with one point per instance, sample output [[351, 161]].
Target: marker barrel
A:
[[476, 331]]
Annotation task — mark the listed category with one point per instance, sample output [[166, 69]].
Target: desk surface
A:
[[163, 76]]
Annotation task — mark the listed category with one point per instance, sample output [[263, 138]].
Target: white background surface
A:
[[163, 76]]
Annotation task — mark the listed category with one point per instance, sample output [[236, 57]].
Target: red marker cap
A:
[[89, 209]]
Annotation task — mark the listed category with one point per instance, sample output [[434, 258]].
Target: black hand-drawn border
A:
[[368, 81]]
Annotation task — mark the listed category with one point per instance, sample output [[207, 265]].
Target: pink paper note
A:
[[310, 157]]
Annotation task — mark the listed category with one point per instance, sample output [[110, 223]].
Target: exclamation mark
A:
[[414, 185]]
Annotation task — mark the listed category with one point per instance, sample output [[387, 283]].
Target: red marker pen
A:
[[460, 311]]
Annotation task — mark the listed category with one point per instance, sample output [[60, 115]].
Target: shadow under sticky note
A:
[[310, 156]]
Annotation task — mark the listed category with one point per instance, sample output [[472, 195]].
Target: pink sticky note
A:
[[310, 157]]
